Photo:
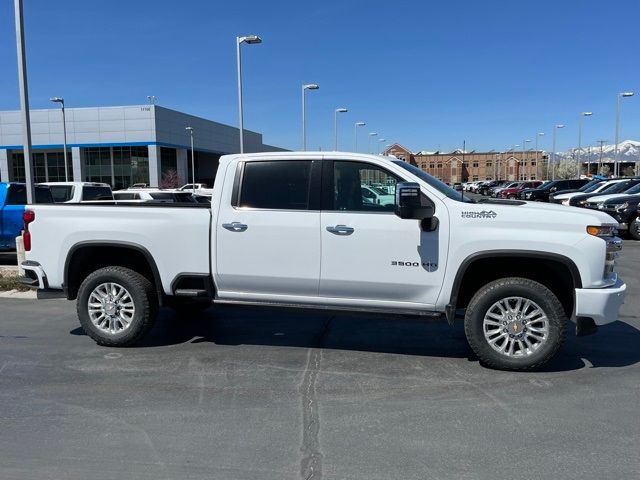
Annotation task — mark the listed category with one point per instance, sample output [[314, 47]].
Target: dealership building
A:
[[119, 145]]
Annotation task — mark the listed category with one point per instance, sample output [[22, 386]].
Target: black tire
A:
[[497, 290], [142, 293], [634, 229]]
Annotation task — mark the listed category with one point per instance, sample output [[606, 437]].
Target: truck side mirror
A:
[[458, 187], [408, 204]]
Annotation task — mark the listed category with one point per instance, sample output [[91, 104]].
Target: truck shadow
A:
[[615, 345]]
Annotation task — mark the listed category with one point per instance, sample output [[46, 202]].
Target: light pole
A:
[[193, 162], [308, 86], [538, 135], [380, 149], [582, 115], [250, 40], [24, 100], [355, 134], [599, 169], [553, 165], [616, 168], [335, 126], [152, 99], [60, 100], [372, 134]]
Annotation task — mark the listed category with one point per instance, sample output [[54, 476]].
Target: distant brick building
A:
[[458, 166]]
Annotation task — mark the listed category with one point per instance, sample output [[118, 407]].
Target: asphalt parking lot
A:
[[252, 394]]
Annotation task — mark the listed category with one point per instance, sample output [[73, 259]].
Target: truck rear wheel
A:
[[515, 324], [116, 306]]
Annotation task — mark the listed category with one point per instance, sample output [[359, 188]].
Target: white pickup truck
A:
[[293, 230]]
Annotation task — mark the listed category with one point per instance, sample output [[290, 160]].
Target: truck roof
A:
[[302, 155]]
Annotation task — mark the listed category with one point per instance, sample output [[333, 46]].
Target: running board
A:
[[331, 308]]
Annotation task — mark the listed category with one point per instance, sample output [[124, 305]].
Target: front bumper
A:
[[600, 304]]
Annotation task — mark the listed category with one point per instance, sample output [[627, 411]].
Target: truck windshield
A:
[[591, 186], [433, 182]]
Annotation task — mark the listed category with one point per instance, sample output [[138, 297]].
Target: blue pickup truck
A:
[[13, 198]]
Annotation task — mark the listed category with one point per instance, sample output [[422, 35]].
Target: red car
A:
[[513, 191]]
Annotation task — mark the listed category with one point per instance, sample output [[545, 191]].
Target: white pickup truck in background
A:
[[292, 229]]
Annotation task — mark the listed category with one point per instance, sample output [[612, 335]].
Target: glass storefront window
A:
[[130, 165]]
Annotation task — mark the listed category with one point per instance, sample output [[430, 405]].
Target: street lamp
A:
[[380, 149], [152, 99], [539, 134], [355, 134], [553, 169], [616, 168], [193, 163], [524, 152], [308, 86], [60, 100], [582, 115], [335, 126], [372, 134], [250, 40]]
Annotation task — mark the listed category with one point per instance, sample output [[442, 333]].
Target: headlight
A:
[[624, 206], [566, 202], [602, 230]]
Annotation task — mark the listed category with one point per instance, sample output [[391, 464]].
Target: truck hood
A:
[[602, 198], [545, 216]]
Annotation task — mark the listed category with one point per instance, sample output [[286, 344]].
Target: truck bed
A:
[[176, 236]]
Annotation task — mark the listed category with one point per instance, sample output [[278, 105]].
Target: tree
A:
[[629, 172], [169, 179], [566, 169], [604, 170]]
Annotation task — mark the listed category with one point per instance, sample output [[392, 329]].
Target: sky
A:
[[426, 74]]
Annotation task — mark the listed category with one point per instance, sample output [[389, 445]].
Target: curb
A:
[[30, 295]]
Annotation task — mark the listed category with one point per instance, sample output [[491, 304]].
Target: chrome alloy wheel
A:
[[515, 326], [111, 308]]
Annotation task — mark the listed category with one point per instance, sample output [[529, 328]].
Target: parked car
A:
[[512, 192], [541, 194], [629, 189], [614, 187], [483, 190], [76, 192], [495, 191], [282, 234], [376, 195], [155, 194], [197, 188], [624, 210], [13, 198], [561, 195]]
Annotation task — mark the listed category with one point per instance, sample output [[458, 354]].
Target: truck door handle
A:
[[340, 230], [235, 226]]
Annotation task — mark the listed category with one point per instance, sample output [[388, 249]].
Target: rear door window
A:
[[276, 185]]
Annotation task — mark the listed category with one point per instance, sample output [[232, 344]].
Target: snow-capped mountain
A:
[[628, 151]]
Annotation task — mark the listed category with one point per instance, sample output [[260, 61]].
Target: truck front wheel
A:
[[116, 306], [515, 324]]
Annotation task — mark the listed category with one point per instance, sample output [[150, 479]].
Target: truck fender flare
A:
[[120, 244], [467, 262]]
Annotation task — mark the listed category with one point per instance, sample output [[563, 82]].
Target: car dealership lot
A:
[[243, 393]]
